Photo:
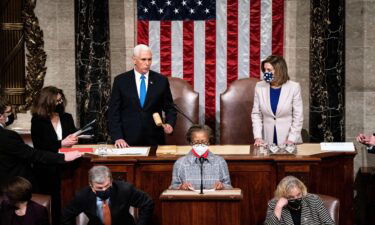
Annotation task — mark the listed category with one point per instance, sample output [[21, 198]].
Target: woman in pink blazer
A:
[[277, 114]]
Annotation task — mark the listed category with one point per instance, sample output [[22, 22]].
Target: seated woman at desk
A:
[[292, 205], [186, 170], [51, 129], [18, 208]]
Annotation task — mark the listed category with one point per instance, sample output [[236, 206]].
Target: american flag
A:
[[210, 43]]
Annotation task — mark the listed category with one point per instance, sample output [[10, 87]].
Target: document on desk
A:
[[141, 151], [337, 146]]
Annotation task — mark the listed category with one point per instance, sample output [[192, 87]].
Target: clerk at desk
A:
[[186, 170]]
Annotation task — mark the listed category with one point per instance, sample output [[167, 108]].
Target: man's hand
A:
[[366, 139], [69, 141], [168, 129], [186, 186], [121, 143], [70, 156], [218, 185]]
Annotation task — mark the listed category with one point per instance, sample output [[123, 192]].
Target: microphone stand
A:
[[182, 113], [201, 160]]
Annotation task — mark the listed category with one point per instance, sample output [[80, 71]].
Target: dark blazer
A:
[[123, 196], [128, 120], [313, 212], [43, 134], [16, 156], [35, 214]]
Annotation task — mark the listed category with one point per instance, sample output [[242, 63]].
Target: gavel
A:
[[157, 119]]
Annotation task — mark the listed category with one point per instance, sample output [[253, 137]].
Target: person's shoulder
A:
[[37, 118], [182, 159], [272, 203], [261, 84], [125, 75], [312, 199], [66, 115], [292, 83], [36, 206], [156, 75]]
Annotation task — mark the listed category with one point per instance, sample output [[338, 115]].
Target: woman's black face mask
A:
[[295, 204]]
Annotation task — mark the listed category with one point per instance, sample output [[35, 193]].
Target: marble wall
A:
[[92, 65], [327, 71]]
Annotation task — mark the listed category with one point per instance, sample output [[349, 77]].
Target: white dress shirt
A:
[[138, 81]]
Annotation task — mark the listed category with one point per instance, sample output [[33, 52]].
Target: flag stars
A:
[[183, 2], [168, 2], [199, 2], [161, 11], [192, 11], [176, 11], [207, 11], [153, 2], [145, 10]]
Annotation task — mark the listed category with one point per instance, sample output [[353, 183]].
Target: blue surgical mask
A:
[[268, 77]]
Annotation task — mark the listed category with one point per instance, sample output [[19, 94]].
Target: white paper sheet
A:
[[129, 151], [337, 146]]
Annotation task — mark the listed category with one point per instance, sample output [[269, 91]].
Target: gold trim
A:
[[35, 54], [14, 91], [12, 26]]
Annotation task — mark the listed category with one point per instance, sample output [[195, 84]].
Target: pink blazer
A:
[[289, 114]]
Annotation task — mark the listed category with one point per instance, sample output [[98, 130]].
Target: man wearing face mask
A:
[[16, 156], [186, 170], [107, 201], [292, 205]]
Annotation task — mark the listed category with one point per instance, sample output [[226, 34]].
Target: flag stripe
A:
[[221, 56], [254, 38], [243, 38], [177, 50], [199, 66], [232, 41], [165, 48], [266, 29], [142, 30], [210, 72], [278, 27], [154, 44], [188, 49]]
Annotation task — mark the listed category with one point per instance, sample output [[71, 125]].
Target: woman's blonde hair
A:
[[287, 184]]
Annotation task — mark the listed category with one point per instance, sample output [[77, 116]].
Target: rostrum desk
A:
[[256, 174]]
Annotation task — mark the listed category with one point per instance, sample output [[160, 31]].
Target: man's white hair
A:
[[140, 48]]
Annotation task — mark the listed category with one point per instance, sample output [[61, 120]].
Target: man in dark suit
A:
[[136, 95], [16, 156], [107, 202]]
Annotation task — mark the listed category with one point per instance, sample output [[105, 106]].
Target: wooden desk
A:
[[212, 208], [254, 173]]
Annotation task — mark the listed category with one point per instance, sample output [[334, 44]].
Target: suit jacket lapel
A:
[[150, 88], [133, 90], [284, 94], [266, 97]]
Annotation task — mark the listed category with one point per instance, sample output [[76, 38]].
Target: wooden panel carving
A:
[[20, 26]]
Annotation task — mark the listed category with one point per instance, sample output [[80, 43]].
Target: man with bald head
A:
[[136, 95]]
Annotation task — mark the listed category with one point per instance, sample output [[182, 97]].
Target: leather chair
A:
[[333, 206], [187, 101], [236, 105], [44, 200]]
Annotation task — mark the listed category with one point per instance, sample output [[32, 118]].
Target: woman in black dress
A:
[[51, 128]]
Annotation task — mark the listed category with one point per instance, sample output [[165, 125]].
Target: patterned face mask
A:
[[200, 149], [268, 77]]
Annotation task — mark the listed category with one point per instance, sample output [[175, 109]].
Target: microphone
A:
[[201, 160], [182, 113]]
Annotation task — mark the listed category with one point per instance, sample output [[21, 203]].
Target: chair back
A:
[[333, 205], [187, 101], [236, 105]]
